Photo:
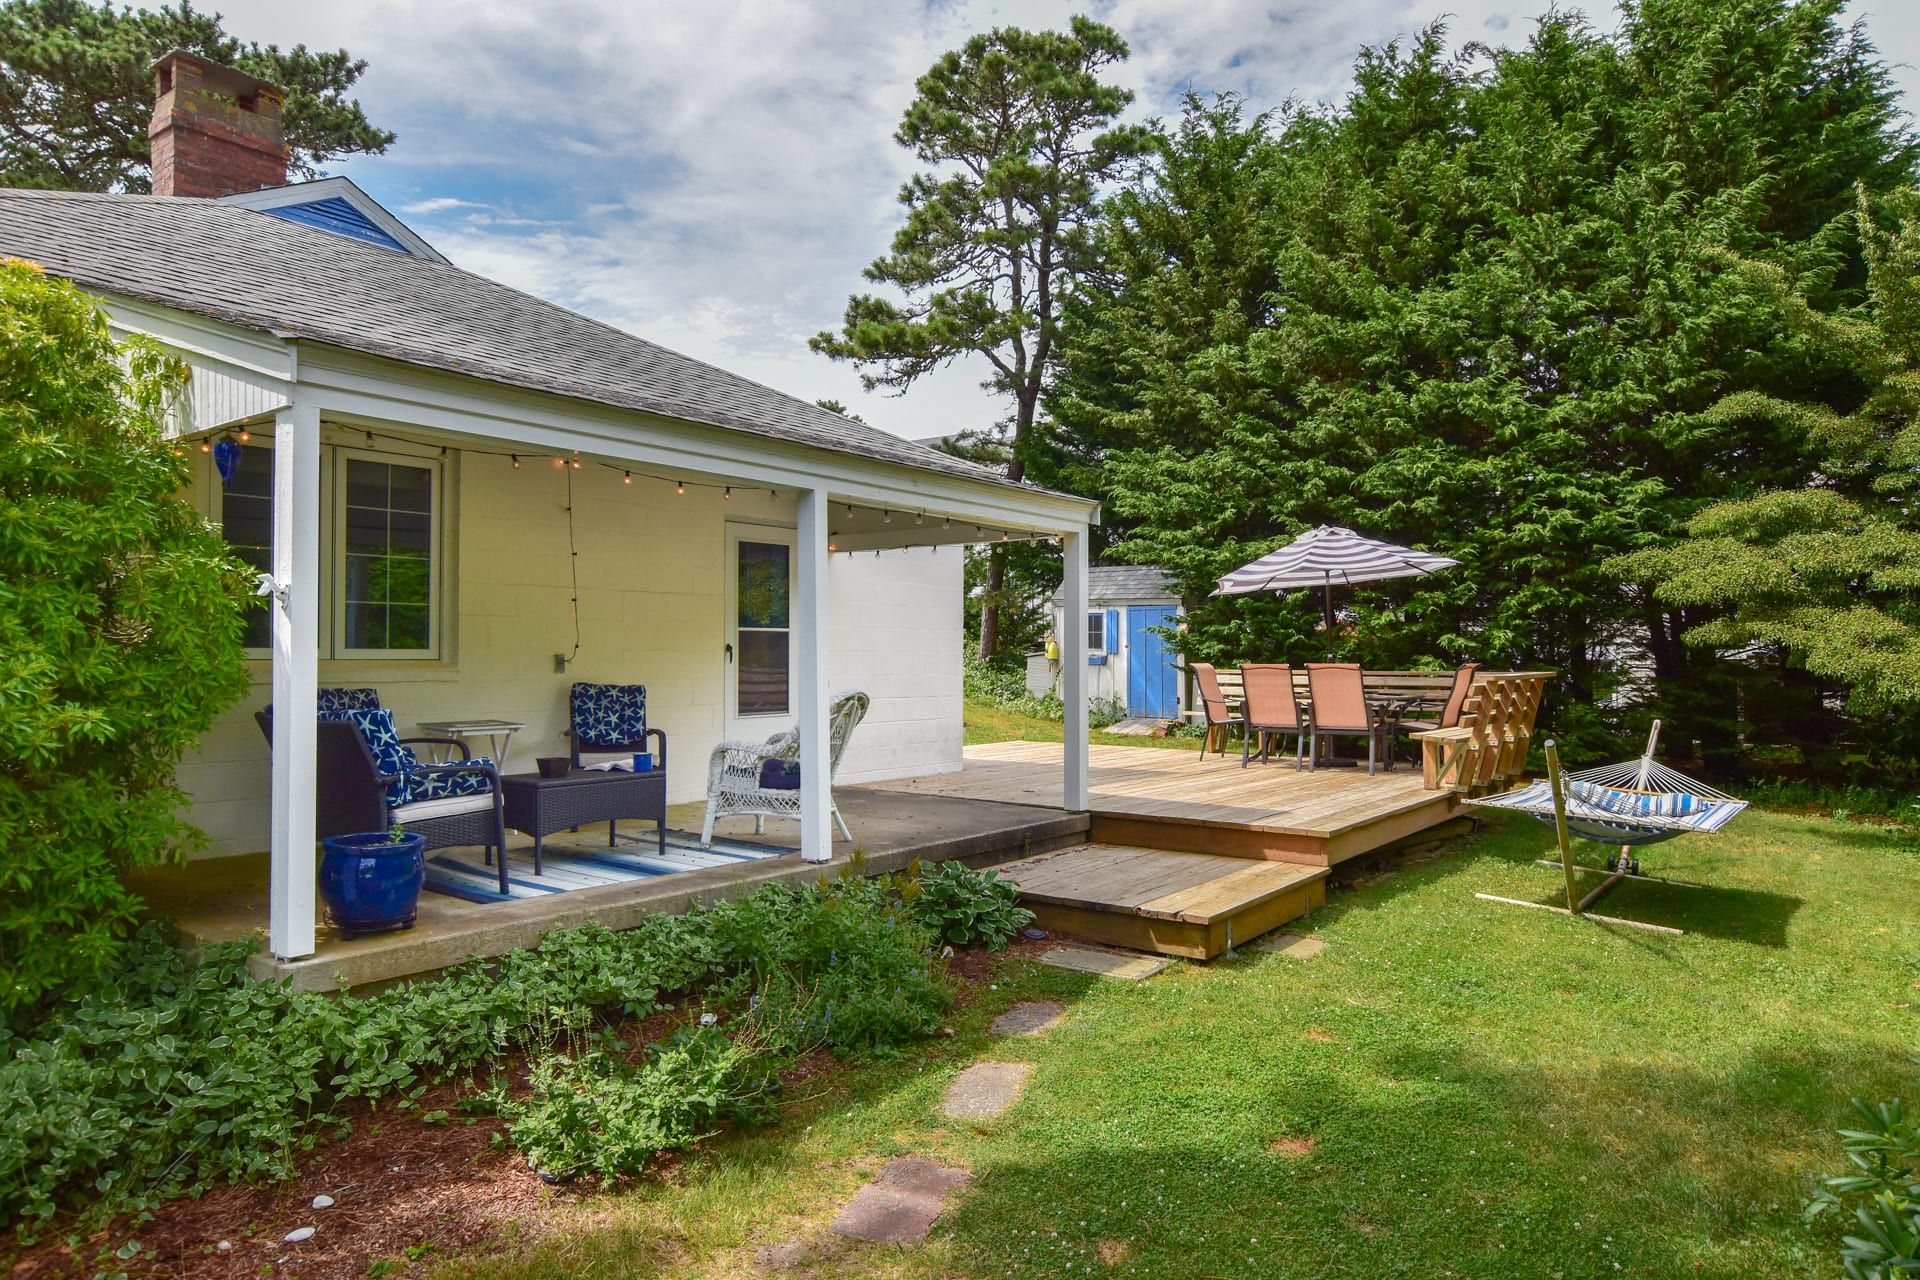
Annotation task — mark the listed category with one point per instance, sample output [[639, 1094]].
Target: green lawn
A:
[[1455, 1088], [986, 722]]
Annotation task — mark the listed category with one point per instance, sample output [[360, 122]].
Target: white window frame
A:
[[337, 557], [1096, 646]]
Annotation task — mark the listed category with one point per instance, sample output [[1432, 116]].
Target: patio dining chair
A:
[[1272, 710], [1340, 709], [762, 779], [1214, 703]]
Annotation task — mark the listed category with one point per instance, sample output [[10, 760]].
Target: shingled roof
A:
[[267, 274], [1125, 582]]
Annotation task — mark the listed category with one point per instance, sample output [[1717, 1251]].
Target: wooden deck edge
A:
[[1123, 927], [1147, 912], [1227, 842]]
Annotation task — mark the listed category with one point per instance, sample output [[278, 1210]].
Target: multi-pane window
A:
[[1097, 631], [388, 548], [381, 534], [246, 516], [762, 593]]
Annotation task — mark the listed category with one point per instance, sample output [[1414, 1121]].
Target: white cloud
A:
[[439, 204], [714, 176]]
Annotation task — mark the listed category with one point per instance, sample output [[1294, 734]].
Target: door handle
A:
[[729, 653]]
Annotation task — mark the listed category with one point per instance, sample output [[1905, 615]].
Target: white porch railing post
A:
[[810, 630], [296, 666], [1073, 669]]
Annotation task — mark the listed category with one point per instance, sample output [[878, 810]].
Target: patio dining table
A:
[[1391, 696]]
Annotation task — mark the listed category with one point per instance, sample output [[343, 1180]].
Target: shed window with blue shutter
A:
[[1096, 631]]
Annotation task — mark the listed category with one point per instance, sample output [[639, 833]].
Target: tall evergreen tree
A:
[[1487, 306], [1017, 130], [1825, 579], [76, 92]]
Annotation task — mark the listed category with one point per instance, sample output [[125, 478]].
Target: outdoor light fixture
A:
[[245, 435], [516, 460], [728, 493], [680, 486], [626, 477]]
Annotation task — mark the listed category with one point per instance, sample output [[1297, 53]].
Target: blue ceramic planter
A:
[[371, 881]]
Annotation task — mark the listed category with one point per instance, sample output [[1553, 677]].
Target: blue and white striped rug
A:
[[583, 862]]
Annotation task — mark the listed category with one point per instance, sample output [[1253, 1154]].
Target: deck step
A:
[[1195, 905]]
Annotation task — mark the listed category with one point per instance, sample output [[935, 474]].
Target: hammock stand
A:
[[1629, 804]]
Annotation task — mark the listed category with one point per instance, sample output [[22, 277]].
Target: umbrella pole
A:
[[1329, 621]]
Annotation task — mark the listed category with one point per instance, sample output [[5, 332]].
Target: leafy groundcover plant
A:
[[173, 1075], [1882, 1192], [962, 907]]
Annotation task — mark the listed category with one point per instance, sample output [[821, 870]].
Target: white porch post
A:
[[810, 630], [296, 664], [1073, 668]]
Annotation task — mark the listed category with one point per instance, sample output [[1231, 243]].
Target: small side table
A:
[[498, 733], [541, 806]]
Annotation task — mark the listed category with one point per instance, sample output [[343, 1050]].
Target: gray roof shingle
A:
[[267, 274], [1125, 582]]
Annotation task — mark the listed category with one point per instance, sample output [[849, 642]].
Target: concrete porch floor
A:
[[216, 900]]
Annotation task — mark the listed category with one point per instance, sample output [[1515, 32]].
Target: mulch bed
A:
[[403, 1188], [399, 1184]]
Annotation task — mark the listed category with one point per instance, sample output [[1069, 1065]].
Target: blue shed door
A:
[[1153, 684]]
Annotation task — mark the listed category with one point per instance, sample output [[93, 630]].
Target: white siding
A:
[[897, 618]]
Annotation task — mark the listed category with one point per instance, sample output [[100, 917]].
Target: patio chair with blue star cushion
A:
[[367, 778], [609, 726]]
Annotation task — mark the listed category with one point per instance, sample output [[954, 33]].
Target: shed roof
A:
[[1125, 582], [265, 273]]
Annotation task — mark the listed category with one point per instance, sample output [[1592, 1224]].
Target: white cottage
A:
[[469, 498], [1128, 660]]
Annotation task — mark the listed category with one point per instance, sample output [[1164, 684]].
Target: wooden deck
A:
[[1161, 798], [1180, 904]]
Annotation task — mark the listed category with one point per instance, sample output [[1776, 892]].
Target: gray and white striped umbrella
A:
[[1326, 557]]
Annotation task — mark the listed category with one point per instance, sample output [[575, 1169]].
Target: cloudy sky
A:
[[714, 175]]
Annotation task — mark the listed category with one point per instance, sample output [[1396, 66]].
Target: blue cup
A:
[[643, 763]]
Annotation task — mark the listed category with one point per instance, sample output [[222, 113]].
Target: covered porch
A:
[[552, 540]]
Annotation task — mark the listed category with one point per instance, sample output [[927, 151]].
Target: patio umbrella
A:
[[1325, 556]]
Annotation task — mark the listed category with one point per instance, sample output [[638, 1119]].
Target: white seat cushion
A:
[[445, 807]]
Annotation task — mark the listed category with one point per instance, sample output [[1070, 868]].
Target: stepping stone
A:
[[1106, 963], [900, 1204], [1029, 1018], [985, 1089], [1293, 946]]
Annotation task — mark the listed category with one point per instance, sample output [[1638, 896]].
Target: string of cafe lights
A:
[[574, 462]]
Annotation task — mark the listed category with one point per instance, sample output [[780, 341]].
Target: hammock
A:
[[1633, 803]]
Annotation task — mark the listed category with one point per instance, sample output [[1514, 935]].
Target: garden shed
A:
[[1129, 661]]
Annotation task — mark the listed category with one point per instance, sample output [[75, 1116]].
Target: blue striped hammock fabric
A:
[[1642, 802]]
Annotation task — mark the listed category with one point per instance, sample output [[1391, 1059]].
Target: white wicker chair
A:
[[734, 770]]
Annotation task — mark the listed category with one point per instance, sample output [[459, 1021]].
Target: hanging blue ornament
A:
[[226, 457]]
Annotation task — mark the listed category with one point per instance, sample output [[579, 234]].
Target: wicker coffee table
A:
[[541, 806]]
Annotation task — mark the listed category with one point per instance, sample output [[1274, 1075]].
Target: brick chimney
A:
[[215, 131]]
